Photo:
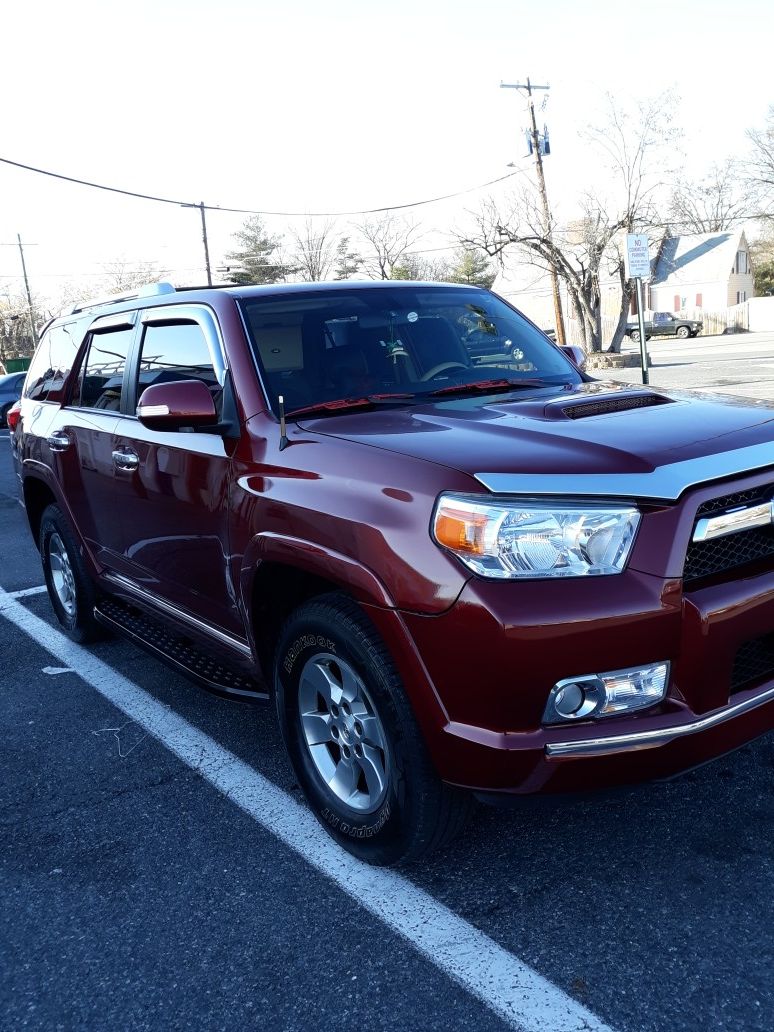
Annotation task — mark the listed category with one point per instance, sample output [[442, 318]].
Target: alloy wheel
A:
[[343, 734], [62, 574]]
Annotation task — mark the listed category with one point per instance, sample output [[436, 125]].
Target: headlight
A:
[[535, 538]]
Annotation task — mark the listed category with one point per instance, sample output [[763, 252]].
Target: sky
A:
[[329, 107]]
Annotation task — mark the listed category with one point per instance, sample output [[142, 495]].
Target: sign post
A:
[[638, 260]]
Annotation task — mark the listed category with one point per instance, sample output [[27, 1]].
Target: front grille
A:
[[754, 496], [708, 558], [753, 662]]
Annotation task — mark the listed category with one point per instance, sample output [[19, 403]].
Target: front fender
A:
[[352, 576]]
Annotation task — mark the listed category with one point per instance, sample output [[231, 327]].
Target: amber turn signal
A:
[[461, 531]]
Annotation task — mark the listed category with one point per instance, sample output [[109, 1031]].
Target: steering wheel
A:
[[440, 368]]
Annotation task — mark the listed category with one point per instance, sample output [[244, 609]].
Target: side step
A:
[[210, 669]]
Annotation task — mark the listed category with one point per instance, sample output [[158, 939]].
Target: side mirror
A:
[[177, 404], [575, 355]]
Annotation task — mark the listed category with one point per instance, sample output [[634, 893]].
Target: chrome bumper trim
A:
[[659, 736]]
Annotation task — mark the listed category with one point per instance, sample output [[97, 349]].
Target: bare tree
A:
[[419, 267], [389, 237], [635, 145], [315, 251], [762, 165], [16, 340], [715, 203], [121, 275]]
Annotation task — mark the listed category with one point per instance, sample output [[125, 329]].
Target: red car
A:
[[457, 564]]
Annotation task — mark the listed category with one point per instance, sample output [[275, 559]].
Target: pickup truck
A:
[[665, 324], [456, 564]]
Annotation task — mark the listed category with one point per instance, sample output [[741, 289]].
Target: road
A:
[[159, 871], [741, 364]]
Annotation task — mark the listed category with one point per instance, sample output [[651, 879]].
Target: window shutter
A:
[[677, 303], [698, 300]]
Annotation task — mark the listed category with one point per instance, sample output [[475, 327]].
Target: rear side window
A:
[[53, 361], [102, 374]]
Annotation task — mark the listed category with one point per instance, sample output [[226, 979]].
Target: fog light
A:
[[606, 695]]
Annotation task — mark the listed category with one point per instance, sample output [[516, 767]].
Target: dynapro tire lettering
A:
[[360, 831], [306, 641]]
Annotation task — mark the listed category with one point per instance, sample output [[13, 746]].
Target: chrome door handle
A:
[[58, 441], [126, 460]]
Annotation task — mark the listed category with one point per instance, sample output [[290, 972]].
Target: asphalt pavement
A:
[[144, 889], [741, 364]]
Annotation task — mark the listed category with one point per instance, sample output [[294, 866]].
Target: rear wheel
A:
[[70, 588], [683, 332], [353, 740]]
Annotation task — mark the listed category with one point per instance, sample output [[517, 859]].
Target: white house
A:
[[707, 271], [694, 272]]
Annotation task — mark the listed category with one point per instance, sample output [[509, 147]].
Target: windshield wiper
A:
[[490, 386], [341, 404]]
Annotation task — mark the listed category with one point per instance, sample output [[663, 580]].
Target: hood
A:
[[594, 429]]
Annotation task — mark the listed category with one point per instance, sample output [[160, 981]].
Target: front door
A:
[[174, 487]]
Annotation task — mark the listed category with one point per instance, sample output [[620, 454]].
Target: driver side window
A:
[[176, 351]]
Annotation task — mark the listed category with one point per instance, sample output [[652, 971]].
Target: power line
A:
[[252, 211]]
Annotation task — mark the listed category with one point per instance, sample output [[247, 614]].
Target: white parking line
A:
[[27, 591], [513, 990]]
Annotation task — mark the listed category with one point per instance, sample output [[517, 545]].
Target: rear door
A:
[[83, 444]]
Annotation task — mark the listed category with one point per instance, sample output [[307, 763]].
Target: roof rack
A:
[[147, 290]]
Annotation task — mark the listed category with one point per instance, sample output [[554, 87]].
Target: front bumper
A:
[[607, 745], [495, 655]]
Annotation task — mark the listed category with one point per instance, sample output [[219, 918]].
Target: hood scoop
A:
[[604, 406]]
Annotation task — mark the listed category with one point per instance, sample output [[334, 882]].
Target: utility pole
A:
[[29, 295], [201, 208], [559, 318]]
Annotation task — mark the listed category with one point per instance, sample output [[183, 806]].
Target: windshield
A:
[[360, 342]]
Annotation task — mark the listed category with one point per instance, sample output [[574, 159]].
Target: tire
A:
[[70, 588], [635, 336], [683, 332], [358, 754], [4, 415]]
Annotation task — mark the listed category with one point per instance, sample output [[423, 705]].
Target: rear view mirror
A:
[[172, 406]]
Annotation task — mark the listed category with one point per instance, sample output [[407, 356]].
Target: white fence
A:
[[727, 320]]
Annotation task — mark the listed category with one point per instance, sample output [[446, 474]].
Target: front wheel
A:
[[353, 740], [683, 332], [70, 588], [4, 414], [635, 336]]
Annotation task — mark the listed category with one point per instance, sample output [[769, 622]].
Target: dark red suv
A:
[[454, 561]]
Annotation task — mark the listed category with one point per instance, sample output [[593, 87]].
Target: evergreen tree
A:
[[347, 262], [257, 261], [471, 266]]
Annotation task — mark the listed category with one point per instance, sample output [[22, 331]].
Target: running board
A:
[[209, 669]]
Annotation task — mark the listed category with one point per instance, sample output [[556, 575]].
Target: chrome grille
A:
[[708, 558]]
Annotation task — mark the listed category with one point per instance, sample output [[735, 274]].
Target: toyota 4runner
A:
[[457, 564]]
